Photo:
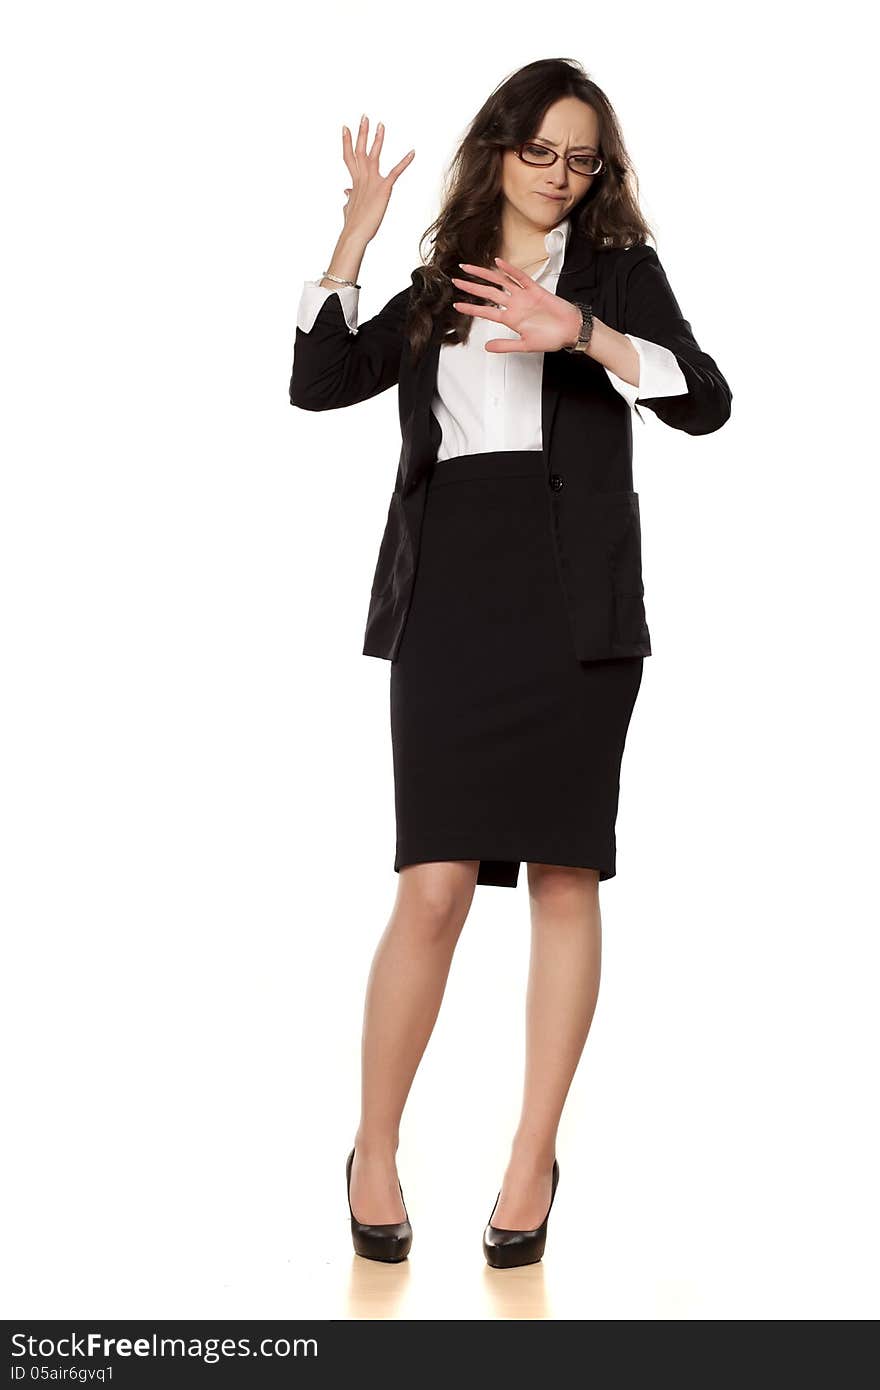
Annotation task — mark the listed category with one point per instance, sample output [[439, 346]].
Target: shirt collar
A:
[[555, 243]]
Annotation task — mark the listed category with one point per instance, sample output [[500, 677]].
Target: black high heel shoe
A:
[[504, 1249], [390, 1242]]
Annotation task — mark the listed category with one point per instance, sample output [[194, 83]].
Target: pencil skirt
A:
[[506, 746]]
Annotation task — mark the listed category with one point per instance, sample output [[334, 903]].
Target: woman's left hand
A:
[[544, 321]]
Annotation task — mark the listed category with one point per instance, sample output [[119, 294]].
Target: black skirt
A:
[[506, 747]]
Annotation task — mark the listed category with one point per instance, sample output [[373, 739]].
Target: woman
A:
[[508, 592]]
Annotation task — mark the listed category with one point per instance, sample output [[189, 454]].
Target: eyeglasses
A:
[[577, 163]]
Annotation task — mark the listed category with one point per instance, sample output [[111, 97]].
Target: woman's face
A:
[[545, 194]]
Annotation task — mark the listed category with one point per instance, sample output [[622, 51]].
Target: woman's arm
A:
[[336, 364], [652, 313], [696, 398]]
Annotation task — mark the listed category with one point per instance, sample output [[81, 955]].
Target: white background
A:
[[197, 799]]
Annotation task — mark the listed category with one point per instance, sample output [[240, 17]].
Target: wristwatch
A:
[[586, 333]]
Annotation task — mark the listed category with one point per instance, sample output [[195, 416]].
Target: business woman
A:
[[508, 588]]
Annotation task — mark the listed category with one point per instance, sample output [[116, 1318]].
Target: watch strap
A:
[[586, 330]]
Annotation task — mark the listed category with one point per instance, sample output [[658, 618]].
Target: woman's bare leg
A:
[[563, 987], [404, 992]]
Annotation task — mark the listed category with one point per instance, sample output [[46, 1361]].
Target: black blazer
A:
[[592, 510]]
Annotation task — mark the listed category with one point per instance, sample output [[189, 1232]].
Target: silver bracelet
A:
[[339, 280]]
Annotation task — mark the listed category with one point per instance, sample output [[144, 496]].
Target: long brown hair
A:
[[468, 227]]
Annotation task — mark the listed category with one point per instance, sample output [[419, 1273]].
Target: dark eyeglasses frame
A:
[[537, 164]]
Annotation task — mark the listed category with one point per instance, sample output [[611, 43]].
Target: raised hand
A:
[[544, 321], [370, 191]]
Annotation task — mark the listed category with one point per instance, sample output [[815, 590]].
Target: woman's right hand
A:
[[370, 191]]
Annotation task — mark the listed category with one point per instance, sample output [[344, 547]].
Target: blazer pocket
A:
[[621, 524], [395, 539], [625, 543]]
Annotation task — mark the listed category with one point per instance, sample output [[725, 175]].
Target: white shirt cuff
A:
[[314, 295], [659, 374]]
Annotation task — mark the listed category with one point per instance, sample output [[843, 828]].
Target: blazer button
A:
[[557, 482]]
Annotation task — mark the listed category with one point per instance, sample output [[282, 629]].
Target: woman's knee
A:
[[561, 883], [436, 897]]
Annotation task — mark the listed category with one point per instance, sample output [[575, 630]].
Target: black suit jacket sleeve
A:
[[333, 367], [652, 312]]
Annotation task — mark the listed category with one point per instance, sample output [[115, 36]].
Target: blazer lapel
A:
[[578, 279], [417, 455]]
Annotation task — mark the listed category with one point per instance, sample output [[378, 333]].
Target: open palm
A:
[[544, 321]]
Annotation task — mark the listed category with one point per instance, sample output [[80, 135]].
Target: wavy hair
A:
[[468, 227]]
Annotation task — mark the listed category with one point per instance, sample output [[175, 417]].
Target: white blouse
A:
[[492, 400]]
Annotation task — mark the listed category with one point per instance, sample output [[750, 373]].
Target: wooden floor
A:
[[585, 1272]]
